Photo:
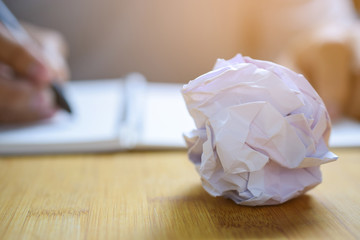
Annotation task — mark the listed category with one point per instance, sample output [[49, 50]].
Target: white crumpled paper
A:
[[262, 131]]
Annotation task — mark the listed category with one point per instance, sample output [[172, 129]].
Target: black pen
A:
[[19, 33]]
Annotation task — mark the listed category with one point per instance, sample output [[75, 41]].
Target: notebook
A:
[[122, 114], [108, 115]]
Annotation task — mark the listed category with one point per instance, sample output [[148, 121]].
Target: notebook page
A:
[[97, 107], [165, 117], [345, 133]]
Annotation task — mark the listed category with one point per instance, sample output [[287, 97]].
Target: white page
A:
[[345, 133], [97, 107], [165, 117]]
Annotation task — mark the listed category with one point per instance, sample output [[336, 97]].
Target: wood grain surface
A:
[[158, 195]]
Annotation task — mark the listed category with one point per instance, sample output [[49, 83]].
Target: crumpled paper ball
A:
[[261, 131]]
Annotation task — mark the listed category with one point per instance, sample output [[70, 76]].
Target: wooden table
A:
[[158, 195]]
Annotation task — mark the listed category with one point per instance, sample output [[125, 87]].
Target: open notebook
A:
[[122, 114], [108, 115]]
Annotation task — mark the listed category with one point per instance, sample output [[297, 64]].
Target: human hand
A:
[[330, 59], [26, 71]]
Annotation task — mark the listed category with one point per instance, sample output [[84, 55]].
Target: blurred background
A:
[[174, 41]]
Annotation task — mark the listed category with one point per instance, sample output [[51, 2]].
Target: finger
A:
[[21, 102], [354, 104], [23, 60], [332, 76], [56, 63], [54, 50], [325, 60]]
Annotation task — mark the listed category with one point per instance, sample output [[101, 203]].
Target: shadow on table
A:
[[195, 214]]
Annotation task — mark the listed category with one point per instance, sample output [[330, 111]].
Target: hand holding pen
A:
[[28, 67]]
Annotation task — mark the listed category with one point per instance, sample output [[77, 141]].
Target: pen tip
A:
[[59, 98]]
